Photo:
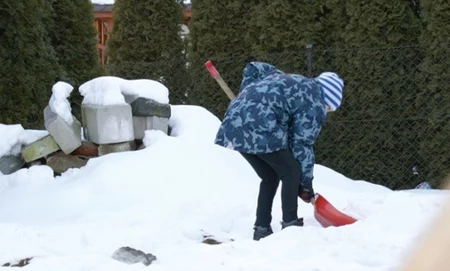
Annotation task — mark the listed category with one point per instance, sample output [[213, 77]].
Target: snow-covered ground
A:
[[163, 199]]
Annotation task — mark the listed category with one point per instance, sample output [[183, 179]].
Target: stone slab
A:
[[39, 149], [67, 136], [61, 162], [141, 124], [143, 107], [107, 124], [10, 164], [117, 147]]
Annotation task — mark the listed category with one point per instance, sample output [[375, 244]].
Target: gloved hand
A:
[[306, 192]]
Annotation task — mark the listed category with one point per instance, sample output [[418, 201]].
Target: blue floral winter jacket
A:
[[275, 111]]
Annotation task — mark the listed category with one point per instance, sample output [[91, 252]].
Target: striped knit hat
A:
[[332, 86]]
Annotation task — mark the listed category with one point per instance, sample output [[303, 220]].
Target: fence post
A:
[[309, 58]]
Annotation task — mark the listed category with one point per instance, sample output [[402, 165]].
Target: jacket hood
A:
[[255, 71]]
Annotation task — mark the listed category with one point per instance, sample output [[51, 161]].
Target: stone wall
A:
[[102, 130]]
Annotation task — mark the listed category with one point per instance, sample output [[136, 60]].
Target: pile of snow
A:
[[59, 103], [146, 88], [110, 90], [199, 126], [103, 90], [165, 198]]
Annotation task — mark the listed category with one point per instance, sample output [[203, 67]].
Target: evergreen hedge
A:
[[145, 43], [218, 30], [433, 100], [74, 39], [372, 135], [28, 62]]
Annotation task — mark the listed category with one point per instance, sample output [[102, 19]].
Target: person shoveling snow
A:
[[274, 122]]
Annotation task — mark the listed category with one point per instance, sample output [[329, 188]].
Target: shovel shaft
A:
[[215, 74]]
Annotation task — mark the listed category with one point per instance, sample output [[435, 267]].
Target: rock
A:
[[39, 149], [141, 124], [211, 241], [143, 107], [67, 136], [107, 124], [131, 256], [61, 162], [116, 147], [87, 149], [10, 164], [21, 263]]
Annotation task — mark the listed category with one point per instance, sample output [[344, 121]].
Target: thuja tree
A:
[[146, 43], [74, 38], [28, 63], [433, 101], [217, 33], [372, 135], [280, 30]]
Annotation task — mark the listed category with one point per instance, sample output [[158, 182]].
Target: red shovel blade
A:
[[328, 215]]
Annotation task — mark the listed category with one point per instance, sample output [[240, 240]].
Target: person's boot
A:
[[261, 232], [298, 222]]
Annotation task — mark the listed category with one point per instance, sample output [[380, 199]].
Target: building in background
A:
[[104, 23]]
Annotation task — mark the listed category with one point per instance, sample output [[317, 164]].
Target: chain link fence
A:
[[393, 127]]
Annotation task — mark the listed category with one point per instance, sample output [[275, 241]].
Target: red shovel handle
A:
[[212, 70], [215, 74]]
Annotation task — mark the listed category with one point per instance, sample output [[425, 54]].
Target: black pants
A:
[[272, 168]]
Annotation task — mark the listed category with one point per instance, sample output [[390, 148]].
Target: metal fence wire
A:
[[393, 126]]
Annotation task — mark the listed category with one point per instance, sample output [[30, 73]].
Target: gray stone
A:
[[67, 136], [39, 149], [144, 107], [107, 124], [130, 255], [141, 124], [10, 164], [61, 162], [116, 147]]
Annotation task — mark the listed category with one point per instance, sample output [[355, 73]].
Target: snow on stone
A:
[[58, 101], [146, 88], [9, 143], [104, 90], [29, 136], [14, 136], [109, 90]]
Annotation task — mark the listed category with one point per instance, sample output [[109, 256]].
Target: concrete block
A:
[[39, 149], [141, 124], [61, 162], [143, 107], [10, 164], [67, 136], [107, 124], [117, 147]]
